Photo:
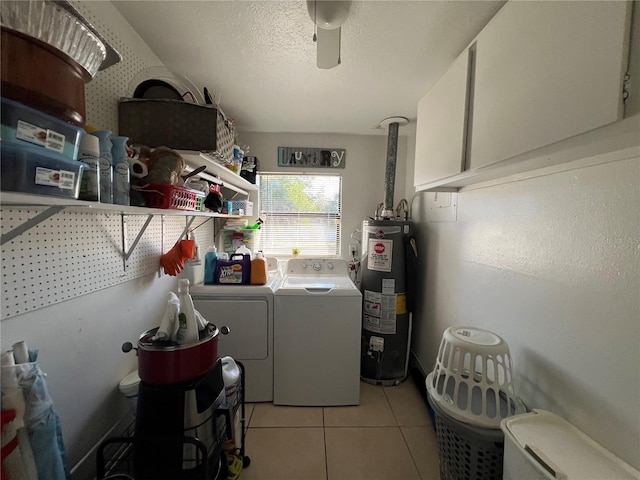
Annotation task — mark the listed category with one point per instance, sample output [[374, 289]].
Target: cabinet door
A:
[[546, 71], [248, 322], [441, 127]]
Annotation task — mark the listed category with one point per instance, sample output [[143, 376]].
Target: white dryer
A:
[[248, 312], [317, 328]]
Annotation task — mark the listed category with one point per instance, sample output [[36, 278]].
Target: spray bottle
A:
[[187, 322]]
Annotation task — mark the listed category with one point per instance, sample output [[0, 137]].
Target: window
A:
[[300, 211]]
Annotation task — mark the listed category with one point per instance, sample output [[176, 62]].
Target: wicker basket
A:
[[175, 124]]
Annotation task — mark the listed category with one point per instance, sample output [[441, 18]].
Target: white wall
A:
[[550, 264], [80, 351], [362, 177], [80, 340]]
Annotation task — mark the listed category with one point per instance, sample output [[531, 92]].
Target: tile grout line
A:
[[324, 436], [410, 453], [406, 443], [393, 412]]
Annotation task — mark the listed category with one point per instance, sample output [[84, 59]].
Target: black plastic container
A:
[[177, 434]]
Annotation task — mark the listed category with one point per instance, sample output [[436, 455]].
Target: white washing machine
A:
[[248, 311], [317, 328]]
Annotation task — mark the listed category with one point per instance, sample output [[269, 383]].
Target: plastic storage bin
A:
[[472, 379], [240, 207], [543, 446], [41, 173], [160, 195], [233, 239], [200, 196], [31, 129]]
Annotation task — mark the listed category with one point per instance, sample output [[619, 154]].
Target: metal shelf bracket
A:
[[32, 222], [126, 254], [186, 228]]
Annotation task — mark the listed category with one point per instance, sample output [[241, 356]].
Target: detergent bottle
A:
[[243, 250], [259, 269], [210, 264]]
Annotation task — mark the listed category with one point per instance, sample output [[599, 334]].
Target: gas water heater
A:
[[387, 283]]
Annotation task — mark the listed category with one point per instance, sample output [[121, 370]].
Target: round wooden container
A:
[[43, 77]]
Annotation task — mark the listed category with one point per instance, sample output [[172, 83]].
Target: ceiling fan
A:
[[328, 16]]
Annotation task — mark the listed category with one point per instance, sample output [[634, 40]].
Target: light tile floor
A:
[[388, 436]]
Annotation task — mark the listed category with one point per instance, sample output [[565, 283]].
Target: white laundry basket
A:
[[472, 380]]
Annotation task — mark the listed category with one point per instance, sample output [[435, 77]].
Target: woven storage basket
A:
[[175, 124]]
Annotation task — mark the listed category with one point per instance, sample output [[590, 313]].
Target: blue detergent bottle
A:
[[210, 264]]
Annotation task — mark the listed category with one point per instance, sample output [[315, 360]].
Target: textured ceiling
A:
[[261, 58]]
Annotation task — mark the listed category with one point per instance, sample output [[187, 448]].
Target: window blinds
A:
[[300, 211]]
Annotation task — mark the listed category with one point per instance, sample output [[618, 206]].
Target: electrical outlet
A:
[[353, 250]]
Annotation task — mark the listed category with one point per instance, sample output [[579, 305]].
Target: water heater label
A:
[[379, 312], [401, 304], [376, 344], [379, 255], [388, 286]]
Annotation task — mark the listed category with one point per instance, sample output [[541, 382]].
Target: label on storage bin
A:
[[55, 178], [40, 136]]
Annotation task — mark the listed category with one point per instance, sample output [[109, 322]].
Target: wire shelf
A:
[[143, 458]]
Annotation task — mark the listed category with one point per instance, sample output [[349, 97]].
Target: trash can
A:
[[129, 388]]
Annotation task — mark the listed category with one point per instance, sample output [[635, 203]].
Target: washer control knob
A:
[[317, 267], [330, 266]]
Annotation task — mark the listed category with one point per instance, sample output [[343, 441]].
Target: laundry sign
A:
[[311, 157]]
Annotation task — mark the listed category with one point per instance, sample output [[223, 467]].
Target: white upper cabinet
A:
[[441, 128], [544, 72]]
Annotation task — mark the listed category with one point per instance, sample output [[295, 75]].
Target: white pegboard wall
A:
[[102, 93], [75, 253]]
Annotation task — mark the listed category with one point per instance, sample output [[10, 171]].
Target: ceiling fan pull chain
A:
[[315, 24]]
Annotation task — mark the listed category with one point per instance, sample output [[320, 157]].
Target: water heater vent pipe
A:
[[390, 173]]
